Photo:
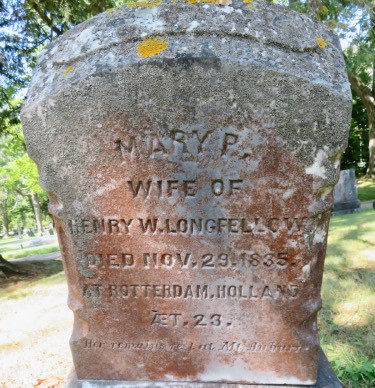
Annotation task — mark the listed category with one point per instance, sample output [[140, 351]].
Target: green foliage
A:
[[18, 179], [12, 148], [358, 370], [25, 27], [357, 151]]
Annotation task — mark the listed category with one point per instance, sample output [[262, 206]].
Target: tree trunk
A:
[[37, 213], [5, 218], [367, 96], [371, 134], [371, 106], [7, 269]]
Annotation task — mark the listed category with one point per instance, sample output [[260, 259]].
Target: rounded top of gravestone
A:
[[153, 30]]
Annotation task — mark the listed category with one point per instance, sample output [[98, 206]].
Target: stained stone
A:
[[345, 195], [189, 151]]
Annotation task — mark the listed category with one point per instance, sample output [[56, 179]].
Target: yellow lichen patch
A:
[[151, 46], [144, 3], [68, 70], [115, 11], [249, 4], [220, 2], [321, 42]]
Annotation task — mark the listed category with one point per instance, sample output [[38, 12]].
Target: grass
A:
[[366, 189], [347, 320], [17, 252], [4, 241]]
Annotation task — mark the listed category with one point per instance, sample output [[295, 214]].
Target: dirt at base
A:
[[31, 270], [35, 326]]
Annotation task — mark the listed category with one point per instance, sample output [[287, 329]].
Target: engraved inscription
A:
[[161, 188], [177, 142], [175, 320], [225, 346], [253, 292], [188, 188], [186, 260], [191, 226]]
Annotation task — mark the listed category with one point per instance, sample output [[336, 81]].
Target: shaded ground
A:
[[35, 327], [33, 268]]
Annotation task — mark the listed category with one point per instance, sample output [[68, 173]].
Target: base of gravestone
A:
[[326, 379], [347, 207]]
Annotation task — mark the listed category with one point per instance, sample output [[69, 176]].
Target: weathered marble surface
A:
[[189, 152], [326, 379]]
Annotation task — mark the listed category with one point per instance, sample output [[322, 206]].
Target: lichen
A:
[[113, 10], [249, 4], [321, 43], [68, 70], [144, 3], [150, 47], [219, 2]]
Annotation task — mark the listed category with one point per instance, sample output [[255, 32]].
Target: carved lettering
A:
[[186, 260], [254, 292], [171, 319], [177, 142], [256, 226]]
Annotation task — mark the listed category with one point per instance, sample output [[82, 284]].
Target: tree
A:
[[4, 210], [18, 178], [356, 154], [23, 177], [8, 202], [25, 27], [7, 268], [353, 19], [367, 95]]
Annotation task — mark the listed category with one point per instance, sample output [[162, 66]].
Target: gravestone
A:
[[189, 152], [345, 193]]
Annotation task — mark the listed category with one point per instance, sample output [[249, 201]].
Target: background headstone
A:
[[189, 152], [345, 193]]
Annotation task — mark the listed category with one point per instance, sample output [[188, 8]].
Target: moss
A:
[[151, 46]]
